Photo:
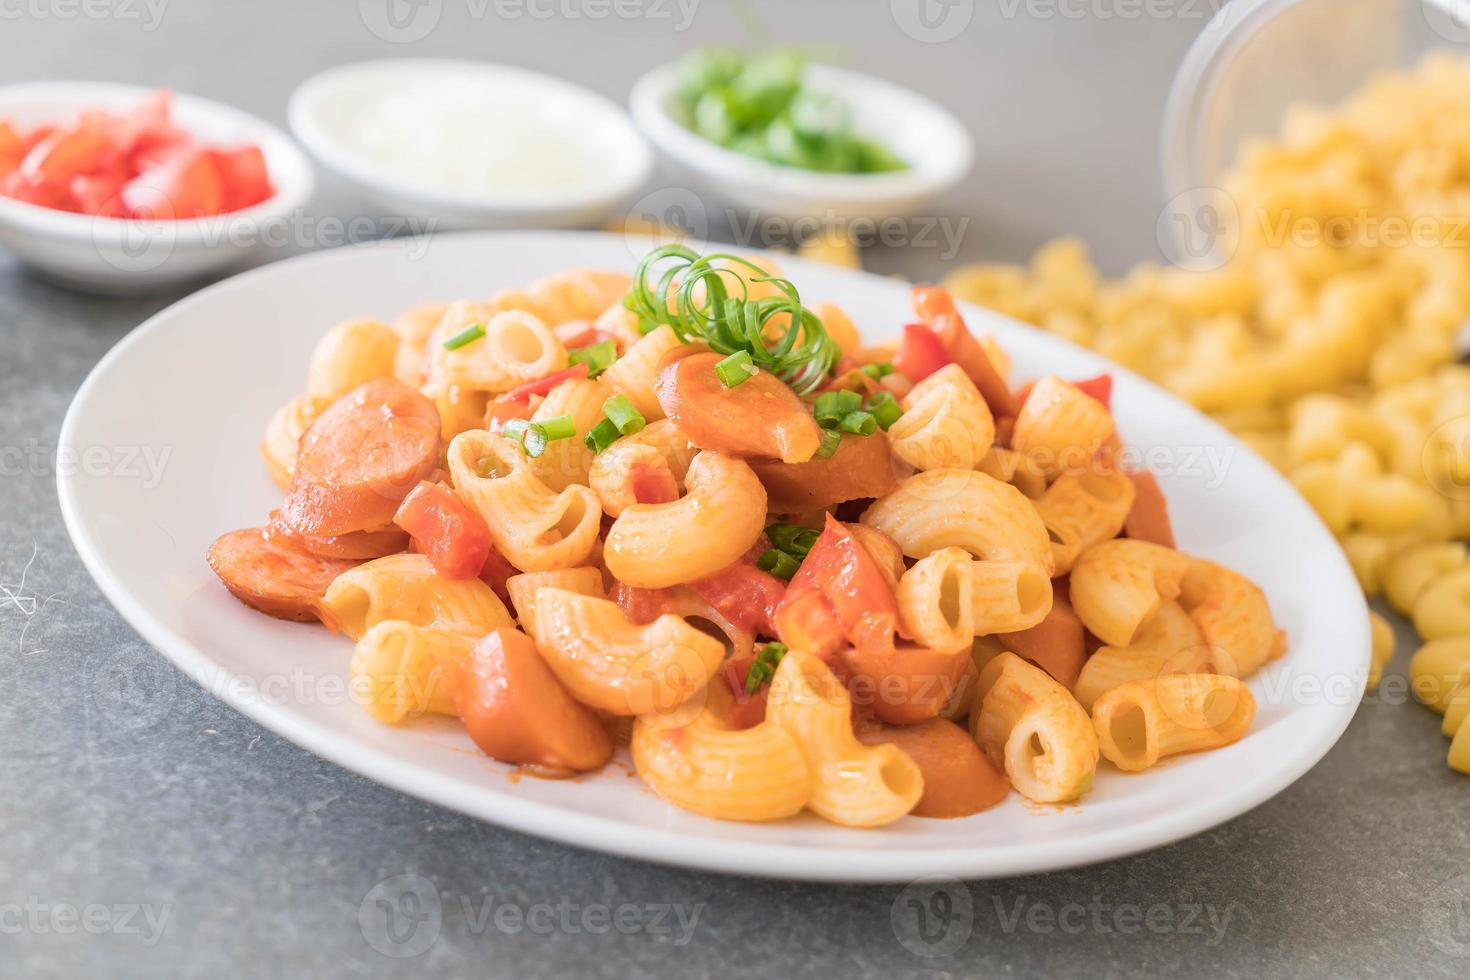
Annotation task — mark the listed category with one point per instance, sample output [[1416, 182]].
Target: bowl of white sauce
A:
[[468, 144]]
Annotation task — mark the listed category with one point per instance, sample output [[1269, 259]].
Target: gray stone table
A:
[[148, 829]]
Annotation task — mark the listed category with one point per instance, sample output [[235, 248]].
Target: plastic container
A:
[[1256, 57]]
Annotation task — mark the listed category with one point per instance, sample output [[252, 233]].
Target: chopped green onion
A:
[[561, 427], [885, 409], [601, 435], [736, 369], [515, 430], [794, 539], [763, 668], [830, 441], [879, 370], [707, 299], [597, 357], [832, 406], [533, 443], [465, 336], [858, 423], [622, 414], [778, 563]]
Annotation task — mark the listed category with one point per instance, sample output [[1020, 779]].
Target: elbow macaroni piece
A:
[[283, 434], [721, 514], [1060, 428], [1119, 584], [852, 784], [1141, 722], [1084, 509], [752, 774], [534, 527], [352, 353], [608, 663], [962, 509], [1442, 608], [1233, 614], [1437, 669], [1028, 723], [406, 587], [947, 599], [523, 589], [660, 451], [1169, 642], [1410, 571], [517, 347], [402, 671], [946, 423], [414, 328], [634, 373], [565, 462]]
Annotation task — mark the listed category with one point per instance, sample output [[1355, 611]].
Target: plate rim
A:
[[686, 849]]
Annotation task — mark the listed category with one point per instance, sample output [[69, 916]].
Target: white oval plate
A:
[[159, 457]]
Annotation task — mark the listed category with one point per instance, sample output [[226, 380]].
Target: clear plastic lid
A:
[[1256, 57]]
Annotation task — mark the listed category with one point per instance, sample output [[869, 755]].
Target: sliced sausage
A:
[[759, 418], [958, 779], [861, 467], [278, 579], [354, 546], [360, 458], [517, 711], [904, 685]]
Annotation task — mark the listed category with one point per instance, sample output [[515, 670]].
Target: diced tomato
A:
[[936, 307], [839, 595], [246, 179], [746, 710], [541, 386], [446, 529], [35, 190], [745, 595], [68, 152], [921, 353], [12, 148], [128, 164], [35, 136], [100, 194], [643, 606], [188, 186], [1148, 519], [1100, 388]]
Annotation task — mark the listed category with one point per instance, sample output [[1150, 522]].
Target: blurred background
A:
[[1064, 105]]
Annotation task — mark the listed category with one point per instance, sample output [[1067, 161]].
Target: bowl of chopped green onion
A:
[[776, 134]]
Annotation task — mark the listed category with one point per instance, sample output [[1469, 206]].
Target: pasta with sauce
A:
[[790, 572]]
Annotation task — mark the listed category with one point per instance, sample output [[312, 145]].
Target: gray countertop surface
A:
[[148, 829]]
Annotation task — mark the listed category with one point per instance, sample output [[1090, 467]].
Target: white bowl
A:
[[326, 106], [116, 256], [933, 143]]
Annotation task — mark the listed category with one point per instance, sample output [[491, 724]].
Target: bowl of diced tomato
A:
[[120, 189]]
